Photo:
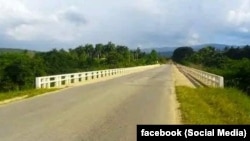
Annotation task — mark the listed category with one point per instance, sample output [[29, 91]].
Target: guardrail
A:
[[209, 79], [63, 80]]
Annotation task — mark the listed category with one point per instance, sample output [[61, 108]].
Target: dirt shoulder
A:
[[180, 78]]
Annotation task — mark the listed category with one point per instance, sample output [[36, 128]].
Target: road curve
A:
[[102, 111]]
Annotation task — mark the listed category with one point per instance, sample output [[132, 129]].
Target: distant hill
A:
[[166, 54], [2, 50], [168, 51], [14, 50], [160, 49], [217, 46]]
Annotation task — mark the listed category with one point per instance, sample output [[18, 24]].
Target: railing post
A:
[[221, 82], [205, 77], [38, 82], [57, 81], [68, 79], [48, 82]]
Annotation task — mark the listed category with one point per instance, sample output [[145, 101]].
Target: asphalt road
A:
[[102, 111]]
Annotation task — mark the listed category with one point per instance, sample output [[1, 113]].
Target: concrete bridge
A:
[[103, 105], [64, 80]]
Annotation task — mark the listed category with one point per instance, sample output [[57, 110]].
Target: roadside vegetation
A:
[[230, 105], [18, 68], [25, 93], [233, 63], [213, 105]]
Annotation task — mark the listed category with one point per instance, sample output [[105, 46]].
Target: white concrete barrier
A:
[[209, 79], [63, 80]]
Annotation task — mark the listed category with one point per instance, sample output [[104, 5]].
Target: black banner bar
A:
[[192, 132]]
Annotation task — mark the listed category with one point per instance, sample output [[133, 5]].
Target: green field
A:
[[213, 105]]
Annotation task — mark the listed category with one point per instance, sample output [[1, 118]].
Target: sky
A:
[[46, 24]]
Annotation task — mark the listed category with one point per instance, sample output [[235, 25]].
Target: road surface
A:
[[102, 111]]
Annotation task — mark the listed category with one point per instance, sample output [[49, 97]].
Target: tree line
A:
[[18, 70], [233, 63]]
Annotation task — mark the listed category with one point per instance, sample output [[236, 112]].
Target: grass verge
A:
[[27, 93], [213, 105]]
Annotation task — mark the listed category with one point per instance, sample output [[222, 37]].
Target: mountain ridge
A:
[[168, 51]]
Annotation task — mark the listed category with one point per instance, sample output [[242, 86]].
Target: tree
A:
[[21, 73], [152, 57], [18, 70], [89, 49], [109, 48], [98, 50], [114, 59], [181, 54]]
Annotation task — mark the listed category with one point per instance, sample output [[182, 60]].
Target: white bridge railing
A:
[[209, 79], [63, 80]]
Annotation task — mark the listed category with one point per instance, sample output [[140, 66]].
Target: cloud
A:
[[148, 23], [147, 6], [193, 39], [240, 17], [244, 30], [72, 15], [25, 25], [14, 13]]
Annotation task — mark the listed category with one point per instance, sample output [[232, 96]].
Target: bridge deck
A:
[[107, 110]]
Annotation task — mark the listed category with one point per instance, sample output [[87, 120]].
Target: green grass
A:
[[213, 105], [28, 93]]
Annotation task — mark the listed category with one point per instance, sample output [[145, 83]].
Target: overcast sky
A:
[[48, 24]]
